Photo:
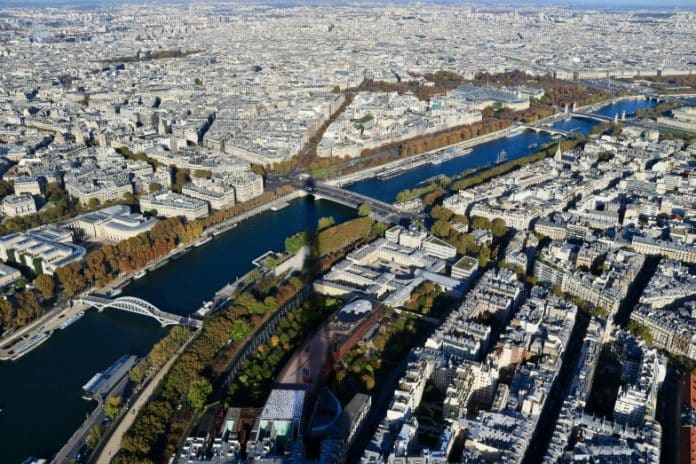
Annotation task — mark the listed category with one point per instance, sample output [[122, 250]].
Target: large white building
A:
[[18, 205], [50, 246], [173, 204], [114, 223]]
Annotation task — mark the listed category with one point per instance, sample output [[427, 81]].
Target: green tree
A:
[[440, 212], [325, 222], [5, 189], [239, 330], [92, 203], [111, 406], [498, 227], [45, 284], [479, 222], [198, 392], [38, 266], [94, 436], [296, 241], [640, 330], [154, 187], [202, 173], [441, 228], [296, 282], [484, 256], [364, 210]]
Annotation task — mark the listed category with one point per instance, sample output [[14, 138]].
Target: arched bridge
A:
[[135, 305], [595, 116], [385, 210], [548, 129]]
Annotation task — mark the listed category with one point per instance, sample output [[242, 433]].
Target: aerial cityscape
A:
[[347, 232]]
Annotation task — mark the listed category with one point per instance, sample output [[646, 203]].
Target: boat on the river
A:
[[140, 274], [71, 320], [159, 264], [203, 241], [30, 344]]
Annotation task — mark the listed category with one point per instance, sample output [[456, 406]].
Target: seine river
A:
[[40, 394]]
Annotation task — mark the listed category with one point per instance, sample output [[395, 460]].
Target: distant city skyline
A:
[[613, 4]]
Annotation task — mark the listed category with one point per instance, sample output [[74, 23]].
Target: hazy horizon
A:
[[595, 4]]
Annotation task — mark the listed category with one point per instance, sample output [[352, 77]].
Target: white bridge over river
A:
[[135, 305]]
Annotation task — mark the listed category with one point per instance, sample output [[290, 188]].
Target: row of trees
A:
[[365, 366], [223, 215], [22, 308], [429, 142], [160, 353], [423, 297], [158, 427], [333, 238], [409, 194], [485, 175], [255, 377], [103, 264]]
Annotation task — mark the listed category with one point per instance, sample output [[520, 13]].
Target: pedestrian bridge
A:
[[135, 305]]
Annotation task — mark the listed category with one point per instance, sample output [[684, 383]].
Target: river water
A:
[[40, 394], [515, 147]]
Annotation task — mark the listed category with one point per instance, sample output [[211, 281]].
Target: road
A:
[[77, 441], [113, 443]]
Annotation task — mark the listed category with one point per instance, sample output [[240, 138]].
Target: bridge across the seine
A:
[[139, 306], [385, 210]]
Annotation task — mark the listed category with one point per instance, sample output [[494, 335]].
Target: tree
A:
[[484, 256], [94, 436], [38, 266], [154, 187], [498, 227], [479, 222], [92, 203], [325, 222], [45, 284], [296, 241], [240, 330], [296, 282], [198, 392], [202, 173], [441, 228], [5, 188], [364, 210], [111, 406], [440, 212], [640, 330]]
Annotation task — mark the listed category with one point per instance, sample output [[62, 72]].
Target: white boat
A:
[[31, 343], [71, 320], [515, 131], [140, 275], [115, 292], [279, 206], [203, 241]]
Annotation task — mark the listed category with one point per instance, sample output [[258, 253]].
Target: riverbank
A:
[[414, 161], [53, 318], [424, 158]]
